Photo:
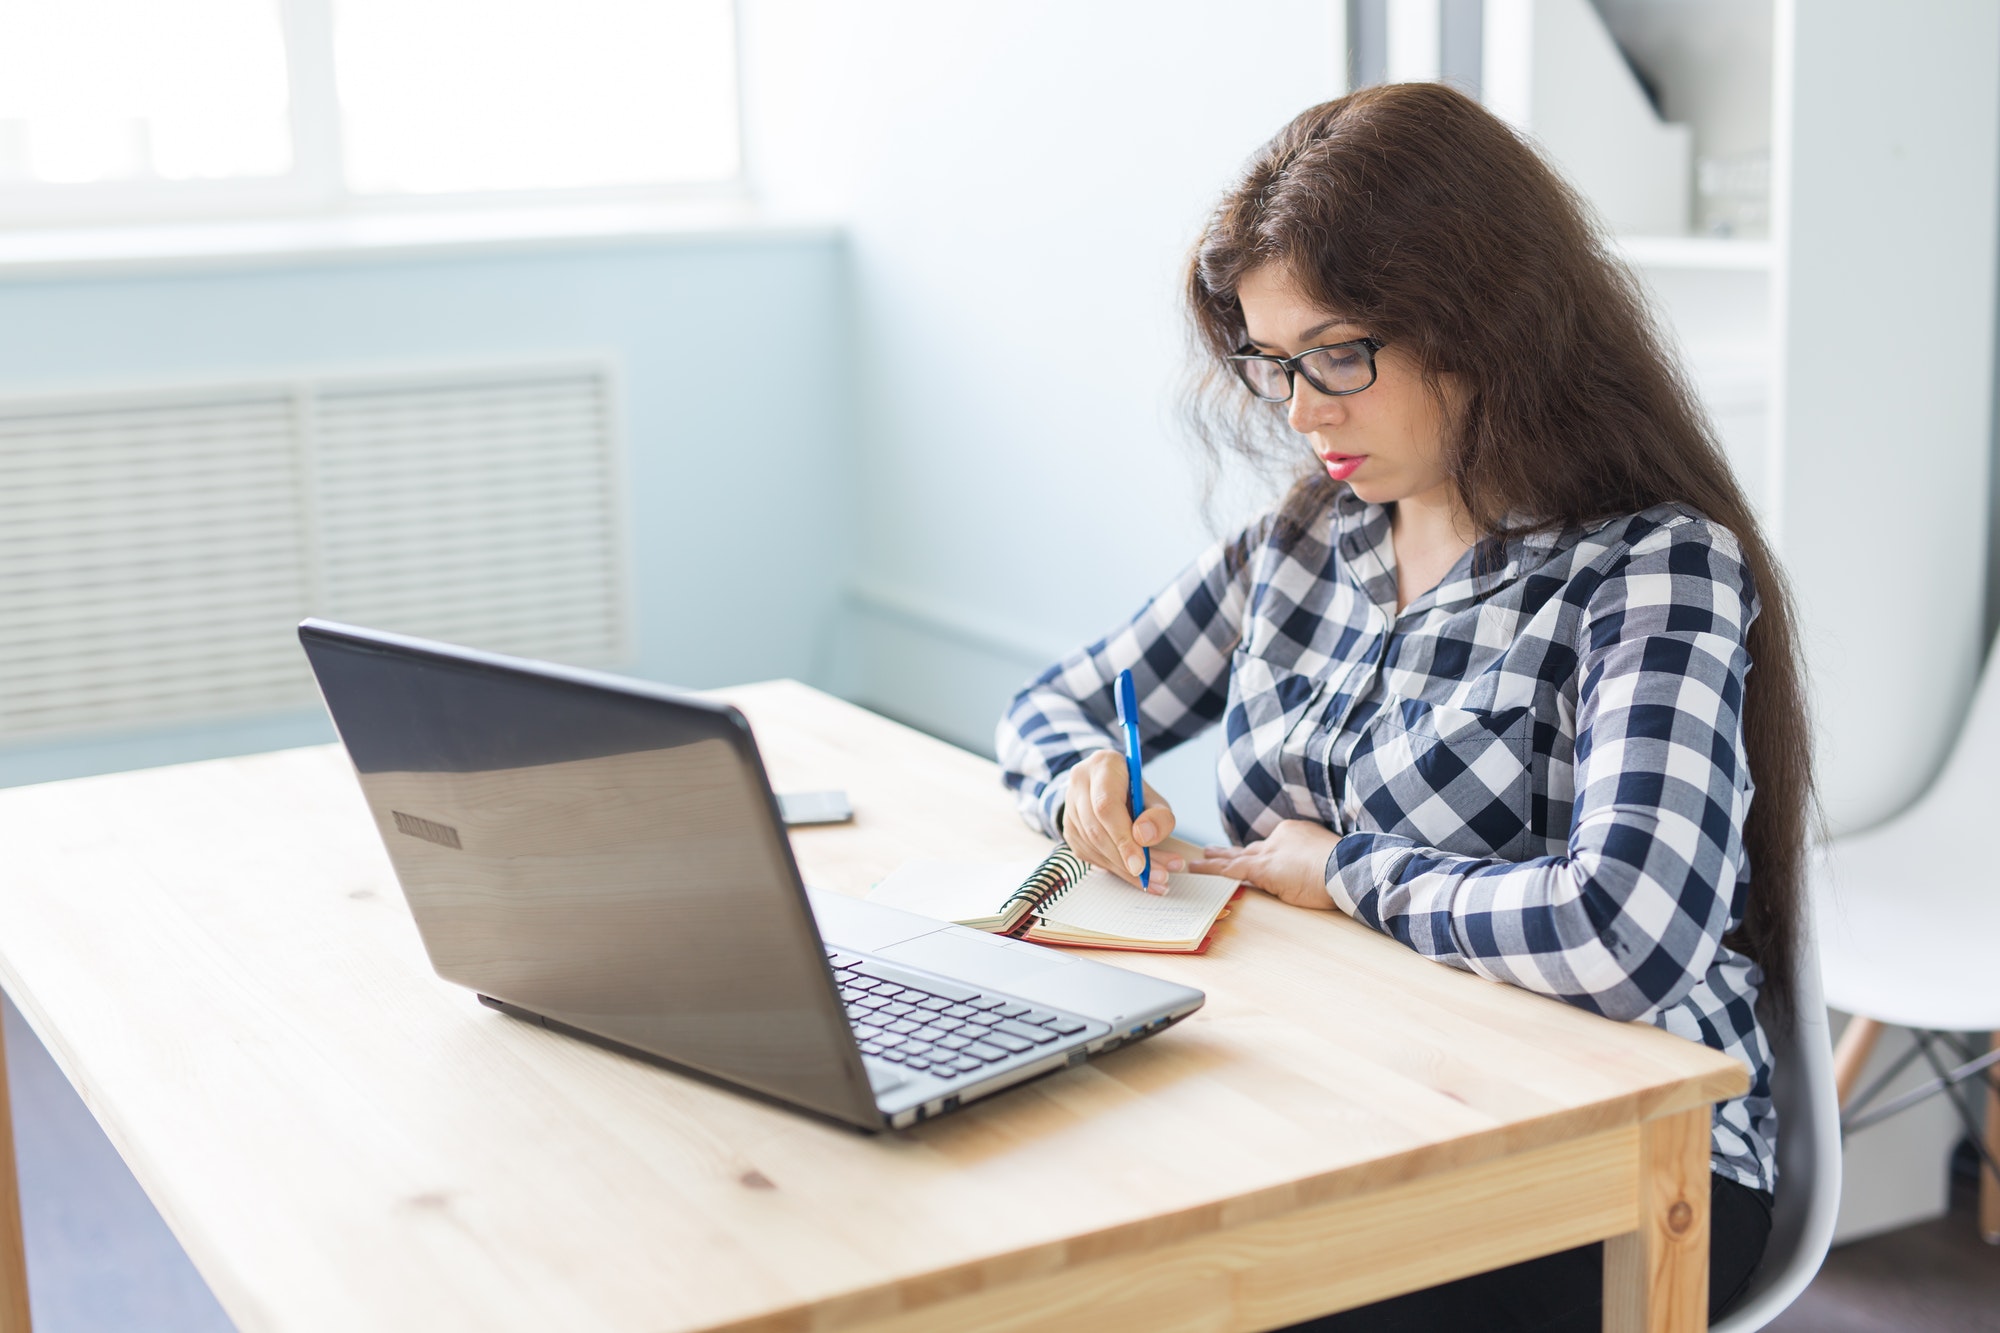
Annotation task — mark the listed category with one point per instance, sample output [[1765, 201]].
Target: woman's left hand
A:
[[1289, 863]]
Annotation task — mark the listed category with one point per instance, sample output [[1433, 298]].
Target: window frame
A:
[[316, 186]]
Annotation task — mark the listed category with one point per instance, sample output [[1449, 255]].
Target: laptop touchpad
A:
[[974, 957]]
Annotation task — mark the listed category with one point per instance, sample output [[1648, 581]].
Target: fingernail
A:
[[1135, 863], [1143, 831], [1176, 863]]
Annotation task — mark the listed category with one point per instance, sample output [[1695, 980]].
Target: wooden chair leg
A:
[[1850, 1055], [13, 1253], [1989, 1188]]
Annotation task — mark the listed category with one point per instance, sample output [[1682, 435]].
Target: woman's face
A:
[[1387, 442]]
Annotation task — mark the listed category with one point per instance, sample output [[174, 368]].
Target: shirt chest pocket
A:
[[1266, 730], [1457, 779]]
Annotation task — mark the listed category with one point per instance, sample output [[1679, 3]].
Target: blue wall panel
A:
[[735, 409]]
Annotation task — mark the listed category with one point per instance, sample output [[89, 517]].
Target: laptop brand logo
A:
[[444, 835]]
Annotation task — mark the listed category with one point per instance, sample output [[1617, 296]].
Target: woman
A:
[[1485, 674]]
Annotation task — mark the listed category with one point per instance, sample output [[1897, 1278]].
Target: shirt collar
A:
[[1361, 532]]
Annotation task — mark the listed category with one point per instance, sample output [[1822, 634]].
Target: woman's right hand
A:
[[1098, 824]]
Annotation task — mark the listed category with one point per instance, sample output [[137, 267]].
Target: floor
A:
[[100, 1260], [1935, 1277]]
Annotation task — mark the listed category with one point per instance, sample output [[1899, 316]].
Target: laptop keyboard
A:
[[937, 1027]]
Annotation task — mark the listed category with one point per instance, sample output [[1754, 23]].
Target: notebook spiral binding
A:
[[1060, 872]]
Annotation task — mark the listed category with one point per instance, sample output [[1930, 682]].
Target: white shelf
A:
[[1696, 252]]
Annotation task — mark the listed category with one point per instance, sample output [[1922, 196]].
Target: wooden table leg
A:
[[1656, 1278], [13, 1255], [1989, 1188]]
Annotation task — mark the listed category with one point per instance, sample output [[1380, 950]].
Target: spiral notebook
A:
[[1061, 900]]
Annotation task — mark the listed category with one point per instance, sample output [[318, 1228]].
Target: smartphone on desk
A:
[[814, 807]]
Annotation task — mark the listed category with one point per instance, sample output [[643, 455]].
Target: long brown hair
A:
[[1414, 212]]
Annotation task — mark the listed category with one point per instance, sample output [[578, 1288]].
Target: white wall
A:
[[1020, 184]]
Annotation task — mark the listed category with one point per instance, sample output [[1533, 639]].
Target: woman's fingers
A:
[[1290, 864], [1096, 824], [1110, 820], [1215, 861], [1108, 809], [1155, 823], [1238, 863]]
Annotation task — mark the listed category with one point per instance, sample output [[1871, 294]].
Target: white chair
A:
[[1909, 921], [1808, 1193]]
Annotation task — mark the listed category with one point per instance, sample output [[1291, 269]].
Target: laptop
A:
[[605, 857]]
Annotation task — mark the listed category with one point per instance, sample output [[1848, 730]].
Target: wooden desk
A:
[[218, 957]]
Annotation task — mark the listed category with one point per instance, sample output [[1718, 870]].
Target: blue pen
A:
[[1128, 717]]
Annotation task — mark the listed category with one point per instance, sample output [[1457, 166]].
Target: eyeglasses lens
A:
[[1266, 379], [1339, 369]]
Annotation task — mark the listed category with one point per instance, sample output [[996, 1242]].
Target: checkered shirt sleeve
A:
[[1631, 915], [1177, 648]]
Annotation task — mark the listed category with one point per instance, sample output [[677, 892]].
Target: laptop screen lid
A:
[[599, 851]]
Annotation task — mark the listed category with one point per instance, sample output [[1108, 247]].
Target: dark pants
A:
[[1563, 1293]]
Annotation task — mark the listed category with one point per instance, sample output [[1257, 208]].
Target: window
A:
[[124, 109]]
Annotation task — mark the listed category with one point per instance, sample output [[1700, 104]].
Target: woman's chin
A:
[[1372, 490]]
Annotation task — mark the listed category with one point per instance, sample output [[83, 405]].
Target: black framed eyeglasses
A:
[[1336, 369]]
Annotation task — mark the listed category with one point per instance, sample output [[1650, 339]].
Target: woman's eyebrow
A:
[[1316, 330], [1306, 338]]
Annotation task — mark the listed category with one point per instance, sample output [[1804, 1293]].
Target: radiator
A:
[[157, 547]]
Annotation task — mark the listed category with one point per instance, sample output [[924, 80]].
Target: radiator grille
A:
[[156, 549]]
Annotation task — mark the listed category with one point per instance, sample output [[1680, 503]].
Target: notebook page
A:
[[953, 890], [1108, 905]]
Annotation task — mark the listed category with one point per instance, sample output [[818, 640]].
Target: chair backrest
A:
[[1808, 1193], [1960, 796]]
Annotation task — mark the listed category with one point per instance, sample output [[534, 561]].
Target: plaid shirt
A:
[[1536, 768]]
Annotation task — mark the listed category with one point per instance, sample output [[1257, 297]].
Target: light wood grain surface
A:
[[13, 1254], [219, 958]]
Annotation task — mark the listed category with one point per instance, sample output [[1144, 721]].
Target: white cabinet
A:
[[1841, 334]]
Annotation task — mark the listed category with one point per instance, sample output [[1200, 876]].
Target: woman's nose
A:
[[1311, 409]]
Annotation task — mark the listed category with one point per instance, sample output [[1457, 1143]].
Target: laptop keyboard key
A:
[[1037, 1016], [967, 1064], [984, 1002], [1067, 1027], [976, 1031], [954, 1043], [1007, 1042], [866, 1032], [982, 1051], [1010, 1011], [1024, 1032], [930, 985], [928, 1034], [960, 1011]]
